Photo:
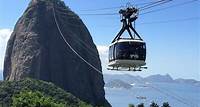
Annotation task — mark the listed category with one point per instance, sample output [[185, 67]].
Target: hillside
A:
[[8, 89]]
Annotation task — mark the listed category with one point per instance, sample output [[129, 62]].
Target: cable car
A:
[[127, 53]]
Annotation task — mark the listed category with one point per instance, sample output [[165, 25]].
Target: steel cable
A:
[[57, 25]]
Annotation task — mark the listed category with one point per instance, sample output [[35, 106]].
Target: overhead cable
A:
[[171, 21], [99, 71], [157, 3], [172, 6], [100, 14], [118, 7], [151, 11]]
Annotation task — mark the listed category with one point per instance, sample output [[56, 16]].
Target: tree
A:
[[141, 105], [153, 104], [34, 99], [131, 105], [166, 104]]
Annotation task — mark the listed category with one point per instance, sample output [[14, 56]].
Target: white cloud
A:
[[4, 36], [103, 50]]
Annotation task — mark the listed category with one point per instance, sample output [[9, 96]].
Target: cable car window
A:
[[110, 53], [111, 50], [130, 51]]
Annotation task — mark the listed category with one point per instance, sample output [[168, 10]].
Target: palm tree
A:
[[166, 104], [141, 105], [131, 105], [153, 104]]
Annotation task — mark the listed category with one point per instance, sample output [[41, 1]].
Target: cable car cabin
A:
[[127, 53]]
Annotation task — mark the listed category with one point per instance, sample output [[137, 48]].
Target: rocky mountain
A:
[[36, 49]]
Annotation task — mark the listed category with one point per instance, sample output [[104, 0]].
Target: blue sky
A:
[[172, 47]]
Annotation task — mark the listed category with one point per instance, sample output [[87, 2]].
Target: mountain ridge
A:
[[158, 78]]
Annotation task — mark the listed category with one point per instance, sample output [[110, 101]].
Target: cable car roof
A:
[[127, 40]]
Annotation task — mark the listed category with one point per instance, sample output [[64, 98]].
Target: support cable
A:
[[78, 40], [57, 25], [118, 7], [157, 3], [171, 21], [172, 6], [160, 9]]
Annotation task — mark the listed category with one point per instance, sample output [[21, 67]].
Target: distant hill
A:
[[159, 78], [117, 83], [124, 77], [123, 80], [8, 89], [188, 81]]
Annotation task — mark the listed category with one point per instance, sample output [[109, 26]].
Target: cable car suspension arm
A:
[[129, 15]]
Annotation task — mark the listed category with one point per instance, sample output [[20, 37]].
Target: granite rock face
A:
[[37, 50]]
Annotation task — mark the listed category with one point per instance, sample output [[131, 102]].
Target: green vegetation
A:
[[166, 104], [131, 105], [153, 104], [36, 92], [141, 105], [34, 99]]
